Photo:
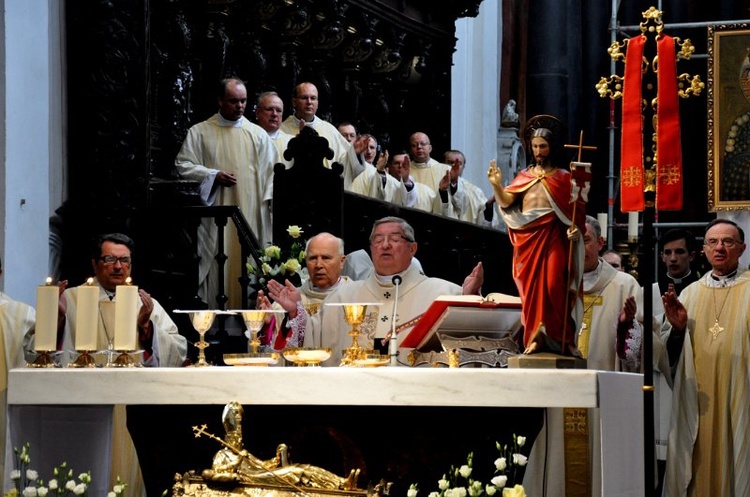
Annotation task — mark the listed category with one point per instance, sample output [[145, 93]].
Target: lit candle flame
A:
[[128, 281], [48, 282], [90, 281]]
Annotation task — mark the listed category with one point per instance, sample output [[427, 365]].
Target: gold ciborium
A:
[[354, 314]]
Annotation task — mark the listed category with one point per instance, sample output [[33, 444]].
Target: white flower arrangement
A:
[[27, 483], [277, 262], [459, 483]]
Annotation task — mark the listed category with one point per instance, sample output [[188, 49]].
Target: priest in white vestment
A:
[[268, 111], [610, 339], [305, 103], [709, 327], [393, 246], [375, 182], [16, 324], [425, 169], [324, 258], [233, 161]]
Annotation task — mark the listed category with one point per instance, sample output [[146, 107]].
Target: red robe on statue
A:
[[541, 251]]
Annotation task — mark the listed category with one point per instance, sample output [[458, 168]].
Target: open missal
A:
[[495, 316]]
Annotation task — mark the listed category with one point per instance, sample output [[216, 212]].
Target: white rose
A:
[[500, 463], [118, 489], [443, 483], [42, 491], [70, 485], [490, 489], [29, 492], [475, 489], [294, 231], [520, 459], [52, 484], [412, 492], [433, 494], [15, 475], [464, 471], [80, 489], [521, 441], [111, 494], [459, 492], [499, 481], [31, 474]]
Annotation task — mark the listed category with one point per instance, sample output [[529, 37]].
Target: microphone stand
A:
[[393, 344]]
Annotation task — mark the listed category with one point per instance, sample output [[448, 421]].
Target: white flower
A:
[[521, 441], [490, 489], [266, 268], [292, 266], [118, 489], [111, 494], [500, 463], [443, 483], [520, 459], [433, 494], [80, 489], [412, 492], [499, 481], [52, 484], [294, 231], [465, 471], [70, 485], [15, 475], [42, 491], [459, 492], [29, 492], [273, 251], [85, 477], [516, 491], [475, 489], [31, 474]]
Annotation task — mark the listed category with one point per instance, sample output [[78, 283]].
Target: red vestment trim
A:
[[668, 149], [631, 155]]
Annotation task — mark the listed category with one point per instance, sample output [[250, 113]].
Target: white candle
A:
[[602, 218], [632, 226], [87, 316], [47, 297], [126, 316]]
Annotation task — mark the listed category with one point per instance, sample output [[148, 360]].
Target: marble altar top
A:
[[481, 387]]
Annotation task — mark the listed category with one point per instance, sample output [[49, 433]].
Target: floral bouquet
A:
[[27, 483], [459, 483], [282, 261]]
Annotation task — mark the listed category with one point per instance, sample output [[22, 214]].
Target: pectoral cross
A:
[[716, 329]]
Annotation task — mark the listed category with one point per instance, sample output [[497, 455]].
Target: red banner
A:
[[668, 148], [631, 155]]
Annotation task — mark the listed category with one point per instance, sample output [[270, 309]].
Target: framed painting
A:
[[728, 85]]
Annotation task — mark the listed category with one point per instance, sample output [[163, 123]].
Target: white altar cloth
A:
[[618, 396]]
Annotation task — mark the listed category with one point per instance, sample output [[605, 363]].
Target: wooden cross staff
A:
[[581, 147]]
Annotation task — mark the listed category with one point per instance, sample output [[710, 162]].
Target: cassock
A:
[[541, 253], [169, 347], [379, 186], [343, 151], [242, 148], [415, 294], [17, 321], [709, 439], [281, 142], [468, 203], [428, 173], [421, 197], [605, 292]]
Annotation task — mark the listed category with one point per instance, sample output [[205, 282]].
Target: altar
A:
[[89, 396]]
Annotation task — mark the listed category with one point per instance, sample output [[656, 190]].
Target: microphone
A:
[[393, 344]]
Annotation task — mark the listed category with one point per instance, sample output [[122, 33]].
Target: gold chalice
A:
[[254, 319], [202, 321], [354, 314]]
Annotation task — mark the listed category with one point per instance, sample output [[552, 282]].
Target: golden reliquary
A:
[[235, 471]]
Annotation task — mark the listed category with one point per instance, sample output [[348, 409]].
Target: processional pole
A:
[[650, 176]]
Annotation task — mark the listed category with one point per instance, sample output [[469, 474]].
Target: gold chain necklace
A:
[[716, 328]]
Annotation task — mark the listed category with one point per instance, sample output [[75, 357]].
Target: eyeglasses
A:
[[393, 239], [727, 242], [111, 260]]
